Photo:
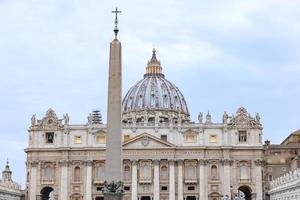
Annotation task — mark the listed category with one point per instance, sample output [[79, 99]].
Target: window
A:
[[101, 139], [48, 173], [213, 139], [77, 173], [190, 138], [126, 138], [100, 171], [164, 188], [126, 172], [164, 137], [243, 171], [99, 188], [242, 136], [49, 137], [127, 188], [191, 171], [191, 188], [164, 172], [214, 172], [77, 139]]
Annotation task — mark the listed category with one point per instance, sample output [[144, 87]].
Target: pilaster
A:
[[171, 180]]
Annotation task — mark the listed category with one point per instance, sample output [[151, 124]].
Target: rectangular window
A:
[[164, 188], [190, 138], [164, 137], [49, 137], [213, 139], [99, 189], [191, 188], [127, 188], [126, 138], [77, 139], [242, 136]]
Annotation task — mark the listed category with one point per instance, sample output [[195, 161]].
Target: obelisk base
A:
[[112, 196]]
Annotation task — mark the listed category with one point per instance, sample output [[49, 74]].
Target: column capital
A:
[[156, 161], [88, 163], [258, 162], [203, 162], [226, 162], [180, 161], [134, 161], [64, 163], [171, 161], [34, 163]]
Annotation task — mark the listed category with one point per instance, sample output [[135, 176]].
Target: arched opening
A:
[[47, 193], [247, 192], [214, 196]]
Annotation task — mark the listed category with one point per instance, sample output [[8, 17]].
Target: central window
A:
[[77, 139], [213, 139]]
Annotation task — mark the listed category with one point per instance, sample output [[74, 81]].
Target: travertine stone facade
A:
[[286, 187], [165, 154]]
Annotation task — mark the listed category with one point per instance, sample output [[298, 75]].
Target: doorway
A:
[[247, 191], [145, 198], [47, 193], [191, 198]]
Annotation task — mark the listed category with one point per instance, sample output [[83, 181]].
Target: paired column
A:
[[180, 180], [88, 190], [258, 179], [33, 178], [134, 180], [171, 180], [156, 180], [63, 179], [202, 180]]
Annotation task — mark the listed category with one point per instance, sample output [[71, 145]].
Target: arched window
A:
[[191, 172], [244, 171], [164, 172], [146, 172], [126, 172], [100, 171], [214, 172], [48, 173], [77, 173]]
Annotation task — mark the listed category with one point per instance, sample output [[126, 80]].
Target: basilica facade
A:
[[166, 155]]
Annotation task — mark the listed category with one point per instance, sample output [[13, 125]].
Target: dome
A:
[[154, 93]]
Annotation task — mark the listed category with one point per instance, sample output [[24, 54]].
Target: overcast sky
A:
[[221, 54]]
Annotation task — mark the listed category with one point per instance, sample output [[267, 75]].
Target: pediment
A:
[[190, 131], [146, 140]]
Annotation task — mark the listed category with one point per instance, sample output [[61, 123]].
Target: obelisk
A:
[[113, 189]]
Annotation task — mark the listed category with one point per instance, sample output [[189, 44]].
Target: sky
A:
[[221, 55]]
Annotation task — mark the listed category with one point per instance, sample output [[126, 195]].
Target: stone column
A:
[[134, 180], [180, 179], [33, 182], [258, 179], [202, 180], [156, 180], [64, 179], [88, 189], [171, 180], [226, 177]]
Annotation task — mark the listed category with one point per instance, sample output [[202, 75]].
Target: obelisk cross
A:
[[116, 29]]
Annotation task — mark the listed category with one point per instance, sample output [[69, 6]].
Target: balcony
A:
[[145, 180], [191, 181]]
